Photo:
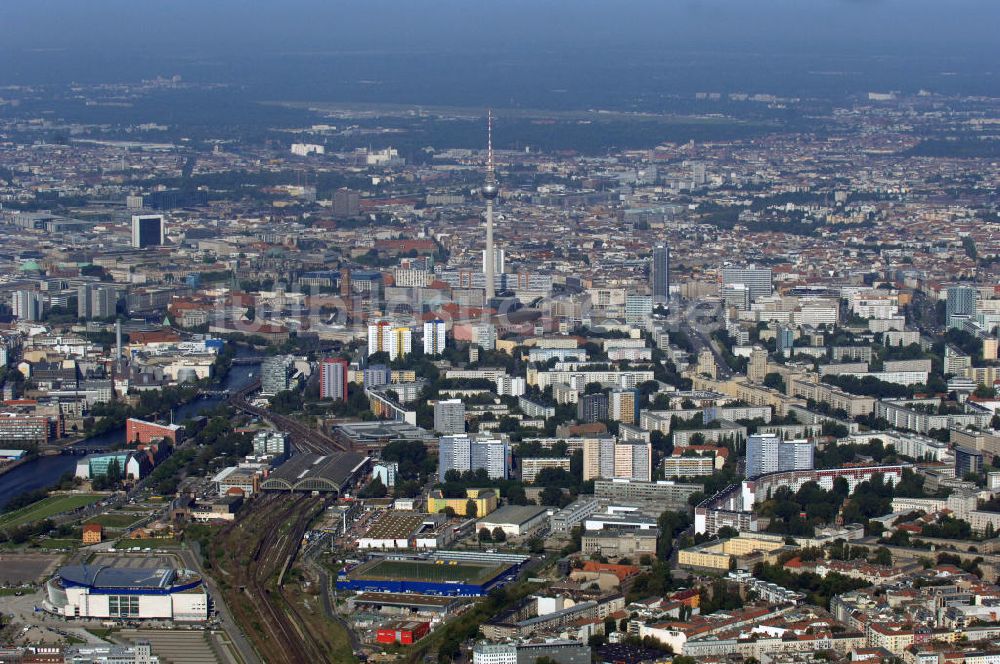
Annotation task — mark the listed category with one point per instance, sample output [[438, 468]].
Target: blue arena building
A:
[[127, 593]]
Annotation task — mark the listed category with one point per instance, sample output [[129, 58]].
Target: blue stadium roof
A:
[[100, 576]]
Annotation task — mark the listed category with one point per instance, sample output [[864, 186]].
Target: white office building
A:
[[449, 416], [472, 452], [434, 337], [769, 453], [758, 280], [386, 471]]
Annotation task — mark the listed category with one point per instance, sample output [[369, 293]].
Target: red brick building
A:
[[140, 431], [406, 632]]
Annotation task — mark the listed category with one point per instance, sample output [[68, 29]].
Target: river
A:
[[44, 472]]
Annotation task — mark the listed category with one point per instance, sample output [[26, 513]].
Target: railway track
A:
[[273, 530], [304, 437], [261, 547]]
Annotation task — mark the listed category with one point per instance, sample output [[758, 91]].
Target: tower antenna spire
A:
[[489, 145]]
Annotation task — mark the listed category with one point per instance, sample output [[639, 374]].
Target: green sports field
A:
[[47, 507], [415, 570], [116, 520]]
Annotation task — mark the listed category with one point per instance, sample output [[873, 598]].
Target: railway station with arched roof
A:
[[331, 473]]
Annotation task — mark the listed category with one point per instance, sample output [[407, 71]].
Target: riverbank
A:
[[7, 467], [44, 472]]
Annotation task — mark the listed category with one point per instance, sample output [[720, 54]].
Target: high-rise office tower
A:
[[96, 301], [638, 309], [698, 174], [498, 261], [449, 416], [623, 406], [471, 452], [434, 337], [333, 378], [386, 472], [659, 274], [346, 203], [736, 295], [147, 230], [785, 340], [489, 191], [634, 461], [28, 305], [967, 461], [706, 363], [758, 280], [345, 282], [485, 335], [769, 453], [400, 342], [757, 367], [592, 407], [275, 373], [961, 302], [598, 458]]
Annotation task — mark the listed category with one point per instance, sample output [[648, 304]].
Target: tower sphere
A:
[[489, 191]]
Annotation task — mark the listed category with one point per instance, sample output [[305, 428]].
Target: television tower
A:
[[490, 191]]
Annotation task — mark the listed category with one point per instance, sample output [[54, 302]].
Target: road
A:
[[240, 641], [700, 340], [328, 604]]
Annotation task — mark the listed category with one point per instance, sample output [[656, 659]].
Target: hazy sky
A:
[[320, 48], [220, 25]]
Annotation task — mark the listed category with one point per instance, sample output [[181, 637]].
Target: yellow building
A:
[[757, 367], [403, 375], [718, 554], [983, 375], [485, 499], [506, 346], [93, 533]]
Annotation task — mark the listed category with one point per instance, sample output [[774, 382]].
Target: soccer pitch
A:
[[414, 570]]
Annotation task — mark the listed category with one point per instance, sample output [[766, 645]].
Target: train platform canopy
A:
[[316, 472]]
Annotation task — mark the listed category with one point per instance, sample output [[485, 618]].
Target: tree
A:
[[374, 489], [471, 510], [774, 381], [499, 535], [882, 556], [551, 495], [448, 511], [484, 535], [727, 532], [114, 473]]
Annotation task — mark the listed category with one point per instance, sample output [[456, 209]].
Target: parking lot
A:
[[178, 645], [18, 568]]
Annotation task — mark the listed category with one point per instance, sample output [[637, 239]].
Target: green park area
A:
[[47, 507]]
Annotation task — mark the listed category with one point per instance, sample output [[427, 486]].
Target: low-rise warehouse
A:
[[398, 529], [515, 520]]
